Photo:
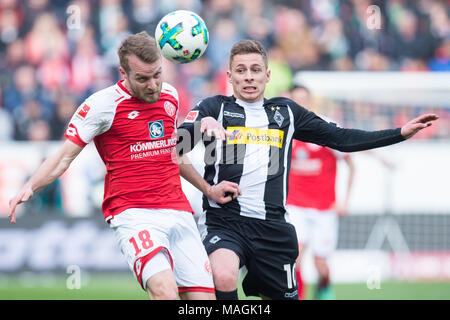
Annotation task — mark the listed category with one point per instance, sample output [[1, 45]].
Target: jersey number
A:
[[290, 275], [146, 242]]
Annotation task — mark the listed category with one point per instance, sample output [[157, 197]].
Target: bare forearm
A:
[[48, 172], [221, 193], [188, 172], [51, 169], [54, 166]]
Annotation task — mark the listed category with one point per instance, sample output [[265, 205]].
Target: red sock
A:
[[301, 284]]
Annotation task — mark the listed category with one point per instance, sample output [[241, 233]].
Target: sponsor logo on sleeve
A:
[[191, 116], [83, 111]]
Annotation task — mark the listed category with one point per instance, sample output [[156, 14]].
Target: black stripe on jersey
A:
[[273, 192], [231, 164]]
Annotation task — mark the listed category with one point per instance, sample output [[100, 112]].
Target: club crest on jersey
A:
[[156, 129], [170, 108], [278, 118]]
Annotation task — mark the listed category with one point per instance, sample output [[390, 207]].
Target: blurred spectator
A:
[[254, 21], [38, 130], [24, 87], [371, 60], [65, 108], [222, 36], [53, 52], [11, 17], [295, 38], [196, 80], [25, 117], [6, 126], [411, 41], [281, 77], [86, 64], [14, 56], [441, 59], [145, 14], [45, 40]]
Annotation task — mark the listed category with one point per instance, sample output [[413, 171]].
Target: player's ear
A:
[[123, 72], [267, 76], [229, 76]]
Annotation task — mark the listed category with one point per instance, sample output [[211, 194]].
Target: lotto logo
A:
[[133, 114], [71, 130]]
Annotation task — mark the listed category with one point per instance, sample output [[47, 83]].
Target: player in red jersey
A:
[[311, 201], [133, 126]]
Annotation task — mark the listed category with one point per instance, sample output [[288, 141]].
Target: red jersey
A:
[[313, 176], [136, 141]]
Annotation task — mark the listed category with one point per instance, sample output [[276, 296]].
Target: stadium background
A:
[[395, 242]]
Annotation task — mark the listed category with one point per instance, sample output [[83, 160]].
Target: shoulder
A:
[[296, 109], [107, 98], [216, 100], [212, 105], [100, 107], [279, 100], [170, 90], [327, 119]]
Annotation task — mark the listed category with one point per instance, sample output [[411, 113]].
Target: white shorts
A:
[[153, 240], [316, 229]]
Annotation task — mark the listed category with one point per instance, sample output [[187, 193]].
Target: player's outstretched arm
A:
[[221, 193], [52, 168], [417, 124]]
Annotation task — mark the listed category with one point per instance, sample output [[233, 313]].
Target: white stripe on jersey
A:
[[256, 163], [289, 135], [218, 157], [169, 89]]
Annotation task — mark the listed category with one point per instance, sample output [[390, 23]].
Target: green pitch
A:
[[122, 286]]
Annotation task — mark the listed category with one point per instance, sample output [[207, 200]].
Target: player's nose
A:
[[153, 85], [248, 75]]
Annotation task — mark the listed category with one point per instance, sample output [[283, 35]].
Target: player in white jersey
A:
[[133, 125]]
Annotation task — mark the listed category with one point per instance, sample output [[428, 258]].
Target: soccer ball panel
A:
[[182, 36]]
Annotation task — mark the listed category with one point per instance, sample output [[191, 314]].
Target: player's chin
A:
[[151, 98], [251, 96]]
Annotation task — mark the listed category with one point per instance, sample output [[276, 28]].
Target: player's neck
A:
[[127, 86], [250, 104]]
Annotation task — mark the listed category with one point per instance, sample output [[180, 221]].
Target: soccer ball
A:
[[182, 36]]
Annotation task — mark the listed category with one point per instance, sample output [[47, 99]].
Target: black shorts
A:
[[268, 249]]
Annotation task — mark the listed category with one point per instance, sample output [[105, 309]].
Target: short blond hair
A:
[[142, 46]]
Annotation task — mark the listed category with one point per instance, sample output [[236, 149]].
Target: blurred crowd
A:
[[53, 54]]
